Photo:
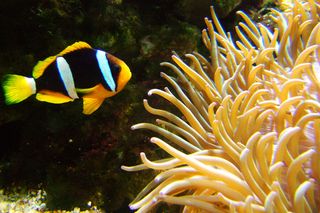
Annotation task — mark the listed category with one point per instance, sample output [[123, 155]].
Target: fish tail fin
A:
[[17, 88]]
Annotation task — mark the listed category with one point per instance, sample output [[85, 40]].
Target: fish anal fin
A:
[[76, 46], [52, 97], [91, 104], [41, 66]]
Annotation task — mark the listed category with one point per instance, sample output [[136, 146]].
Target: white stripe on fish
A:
[[66, 76], [105, 69]]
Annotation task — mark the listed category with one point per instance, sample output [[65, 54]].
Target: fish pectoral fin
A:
[[86, 90], [52, 97], [76, 46], [41, 66], [91, 104], [97, 91]]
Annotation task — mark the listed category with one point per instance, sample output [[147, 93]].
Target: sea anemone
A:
[[248, 138]]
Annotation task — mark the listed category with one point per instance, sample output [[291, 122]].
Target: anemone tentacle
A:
[[250, 136]]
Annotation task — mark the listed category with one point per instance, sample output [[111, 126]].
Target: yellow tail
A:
[[17, 88]]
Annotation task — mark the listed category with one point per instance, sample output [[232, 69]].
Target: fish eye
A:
[[115, 68]]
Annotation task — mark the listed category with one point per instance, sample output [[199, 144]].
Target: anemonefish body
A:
[[79, 71]]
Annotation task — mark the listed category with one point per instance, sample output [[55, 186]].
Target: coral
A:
[[33, 202], [246, 132], [19, 202]]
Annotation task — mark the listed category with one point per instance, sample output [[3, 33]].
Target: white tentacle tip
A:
[[133, 127]]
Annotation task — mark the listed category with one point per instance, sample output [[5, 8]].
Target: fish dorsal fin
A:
[[41, 66], [76, 46]]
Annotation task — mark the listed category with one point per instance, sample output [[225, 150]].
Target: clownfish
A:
[[79, 71]]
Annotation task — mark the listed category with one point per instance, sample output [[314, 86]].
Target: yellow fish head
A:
[[125, 73]]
